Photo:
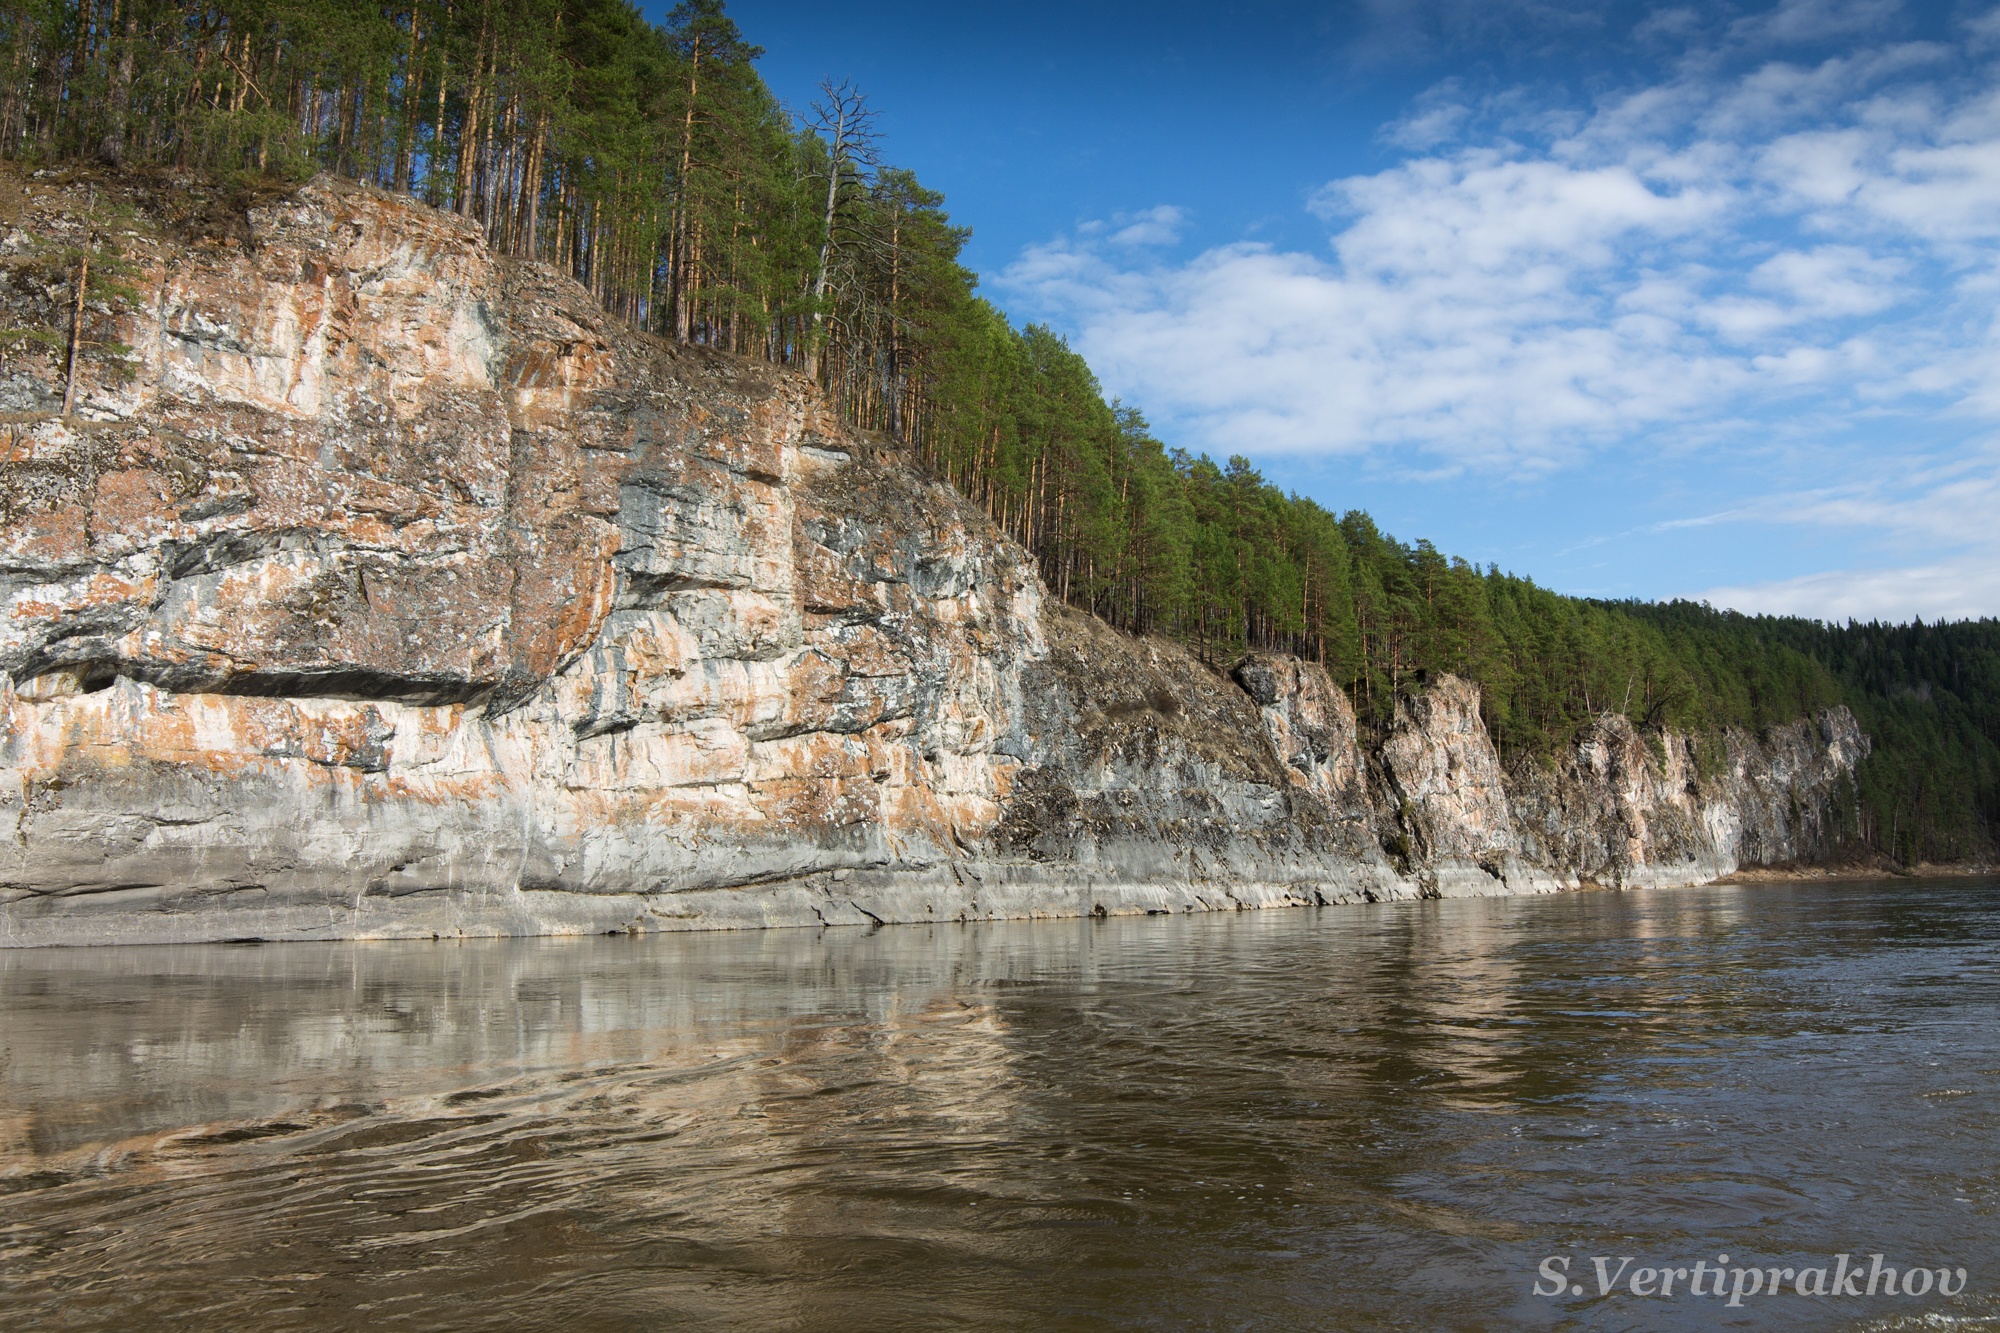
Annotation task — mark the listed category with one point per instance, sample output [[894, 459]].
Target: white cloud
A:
[[1155, 226], [1485, 308], [1674, 24], [1962, 589], [1919, 505], [1816, 20], [1486, 212], [1746, 248], [1439, 116], [1983, 30], [1926, 501], [1691, 247], [1794, 287]]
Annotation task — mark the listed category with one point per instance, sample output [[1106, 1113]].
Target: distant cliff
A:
[[396, 590]]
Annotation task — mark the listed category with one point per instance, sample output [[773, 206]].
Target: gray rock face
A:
[[1636, 811], [1443, 791], [396, 592]]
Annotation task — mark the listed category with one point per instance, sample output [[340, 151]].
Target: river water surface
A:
[[1349, 1118]]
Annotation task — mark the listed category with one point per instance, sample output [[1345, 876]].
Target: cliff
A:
[[391, 588]]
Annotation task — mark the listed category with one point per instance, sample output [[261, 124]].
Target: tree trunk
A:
[[895, 385], [833, 169], [531, 191], [67, 107], [504, 190], [678, 225], [118, 103], [432, 178], [487, 183], [76, 326], [468, 134], [406, 134]]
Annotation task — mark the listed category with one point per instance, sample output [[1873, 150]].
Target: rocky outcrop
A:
[[392, 589], [1639, 811], [1443, 792]]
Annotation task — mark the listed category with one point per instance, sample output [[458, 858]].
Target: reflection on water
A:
[[1355, 1118]]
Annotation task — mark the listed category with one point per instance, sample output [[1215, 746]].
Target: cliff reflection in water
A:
[[1348, 1118]]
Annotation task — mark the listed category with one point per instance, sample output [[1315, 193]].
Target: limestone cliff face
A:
[[1632, 811], [397, 590]]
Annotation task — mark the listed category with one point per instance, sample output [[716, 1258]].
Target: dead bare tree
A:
[[844, 120]]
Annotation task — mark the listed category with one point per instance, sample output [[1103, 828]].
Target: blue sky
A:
[[1638, 300]]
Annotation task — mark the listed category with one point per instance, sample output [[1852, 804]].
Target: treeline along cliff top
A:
[[652, 164]]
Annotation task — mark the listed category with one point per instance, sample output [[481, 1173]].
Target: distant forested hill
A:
[[1929, 695], [653, 164]]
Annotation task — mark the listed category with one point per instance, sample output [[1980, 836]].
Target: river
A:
[[1417, 1115]]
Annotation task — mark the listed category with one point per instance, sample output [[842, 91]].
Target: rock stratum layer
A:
[[398, 591]]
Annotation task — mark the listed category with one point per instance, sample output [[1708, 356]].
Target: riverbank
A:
[[1841, 873]]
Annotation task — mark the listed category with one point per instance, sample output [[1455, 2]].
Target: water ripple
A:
[[1356, 1118]]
